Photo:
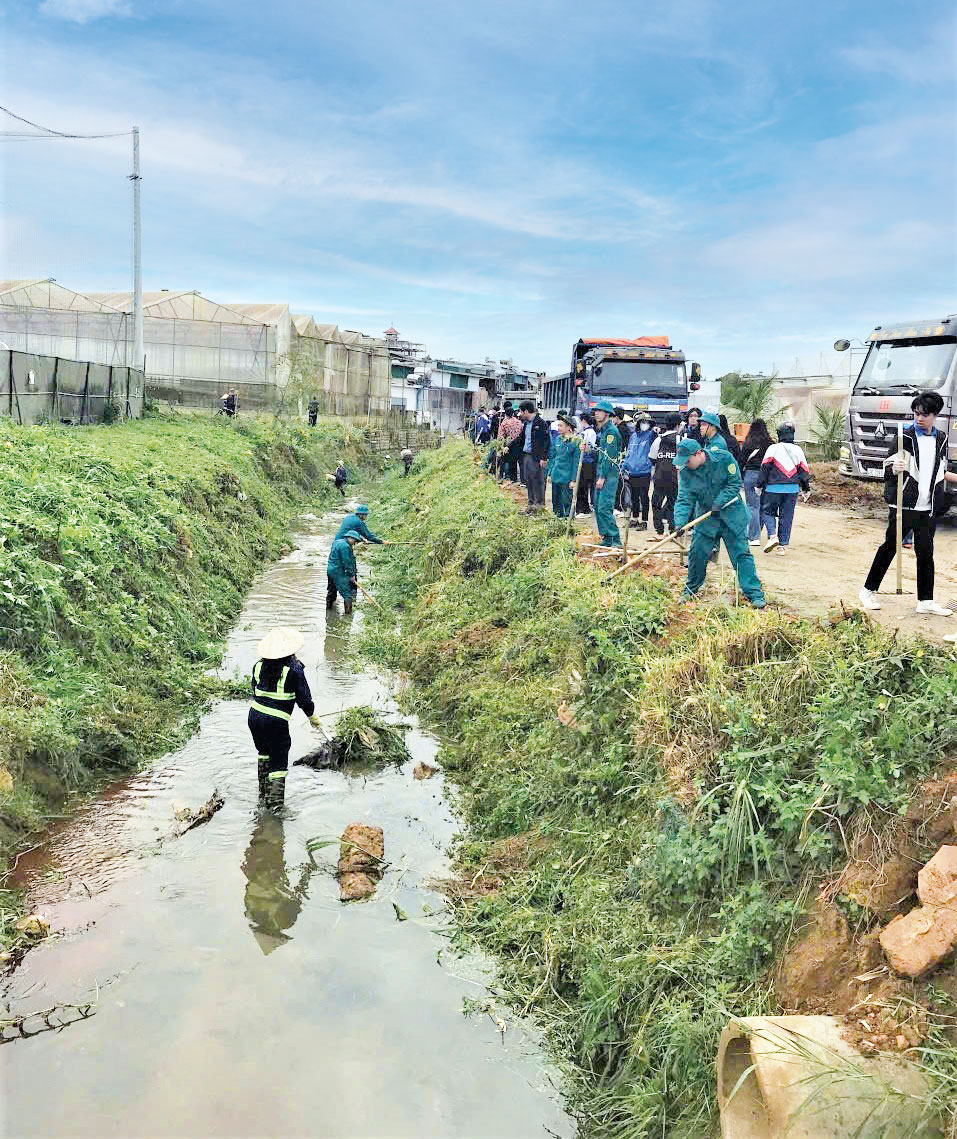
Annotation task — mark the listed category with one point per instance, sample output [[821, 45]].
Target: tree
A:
[[751, 397], [829, 430]]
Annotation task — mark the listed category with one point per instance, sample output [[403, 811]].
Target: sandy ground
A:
[[827, 560]]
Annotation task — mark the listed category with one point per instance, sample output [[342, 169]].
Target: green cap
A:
[[362, 508], [686, 448], [604, 405], [712, 418], [354, 534]]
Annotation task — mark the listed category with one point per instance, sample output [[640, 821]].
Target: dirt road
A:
[[829, 556]]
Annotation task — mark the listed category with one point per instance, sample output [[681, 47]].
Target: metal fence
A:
[[43, 389]]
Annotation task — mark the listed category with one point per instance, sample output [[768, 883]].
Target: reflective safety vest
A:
[[279, 695]]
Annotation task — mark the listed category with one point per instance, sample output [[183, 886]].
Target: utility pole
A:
[[139, 353]]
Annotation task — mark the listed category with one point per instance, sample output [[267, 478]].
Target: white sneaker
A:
[[868, 599], [754, 541], [781, 551], [771, 543], [934, 609]]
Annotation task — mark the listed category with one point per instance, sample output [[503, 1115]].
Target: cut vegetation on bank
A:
[[125, 553], [676, 815]]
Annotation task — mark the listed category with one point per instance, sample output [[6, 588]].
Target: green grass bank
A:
[[125, 553], [642, 869]]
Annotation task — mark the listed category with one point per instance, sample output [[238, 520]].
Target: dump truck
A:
[[643, 375], [902, 361]]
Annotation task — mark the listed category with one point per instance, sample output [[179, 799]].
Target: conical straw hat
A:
[[280, 642]]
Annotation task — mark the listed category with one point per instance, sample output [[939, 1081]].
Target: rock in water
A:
[[361, 852], [423, 770], [33, 925]]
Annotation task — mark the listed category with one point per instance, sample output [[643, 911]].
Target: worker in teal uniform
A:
[[606, 473], [341, 572], [357, 522], [563, 465], [709, 480]]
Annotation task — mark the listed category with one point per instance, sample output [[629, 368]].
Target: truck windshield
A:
[[639, 378], [900, 365]]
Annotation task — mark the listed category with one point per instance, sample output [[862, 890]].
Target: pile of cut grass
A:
[[677, 818]]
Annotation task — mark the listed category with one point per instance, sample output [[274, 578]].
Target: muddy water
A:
[[236, 995]]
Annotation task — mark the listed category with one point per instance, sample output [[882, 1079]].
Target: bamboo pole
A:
[[368, 596], [655, 546], [900, 510], [578, 475]]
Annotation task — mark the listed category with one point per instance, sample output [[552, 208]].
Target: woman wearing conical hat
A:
[[278, 685]]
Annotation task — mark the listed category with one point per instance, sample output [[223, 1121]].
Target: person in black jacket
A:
[[278, 684], [924, 467], [536, 441], [753, 450], [625, 430], [731, 441], [662, 454]]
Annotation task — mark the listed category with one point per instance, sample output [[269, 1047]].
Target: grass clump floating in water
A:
[[363, 738]]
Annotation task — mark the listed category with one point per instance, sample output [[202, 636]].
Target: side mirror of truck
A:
[[695, 377], [841, 345]]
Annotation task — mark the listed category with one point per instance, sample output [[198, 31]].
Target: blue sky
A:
[[499, 178]]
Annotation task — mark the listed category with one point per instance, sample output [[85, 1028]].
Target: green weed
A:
[[652, 855], [125, 553]]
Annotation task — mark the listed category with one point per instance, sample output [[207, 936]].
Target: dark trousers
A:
[[333, 591], [313, 416], [639, 496], [586, 489], [508, 469], [339, 487], [271, 738], [408, 464], [923, 525], [534, 480], [778, 509], [663, 506], [561, 499]]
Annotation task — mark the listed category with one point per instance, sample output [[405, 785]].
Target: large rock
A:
[[937, 882], [361, 853], [919, 941]]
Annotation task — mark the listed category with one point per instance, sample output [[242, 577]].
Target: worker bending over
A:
[[709, 482], [357, 522], [341, 571], [278, 685]]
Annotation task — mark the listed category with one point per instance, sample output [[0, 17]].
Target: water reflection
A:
[[272, 903], [335, 646]]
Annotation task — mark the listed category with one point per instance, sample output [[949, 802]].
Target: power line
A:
[[48, 132]]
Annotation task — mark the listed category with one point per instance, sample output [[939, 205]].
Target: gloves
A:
[[314, 720], [680, 531]]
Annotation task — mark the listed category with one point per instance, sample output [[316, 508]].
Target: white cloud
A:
[[83, 11]]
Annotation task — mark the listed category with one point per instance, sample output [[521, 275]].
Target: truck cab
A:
[[644, 375], [902, 361]]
